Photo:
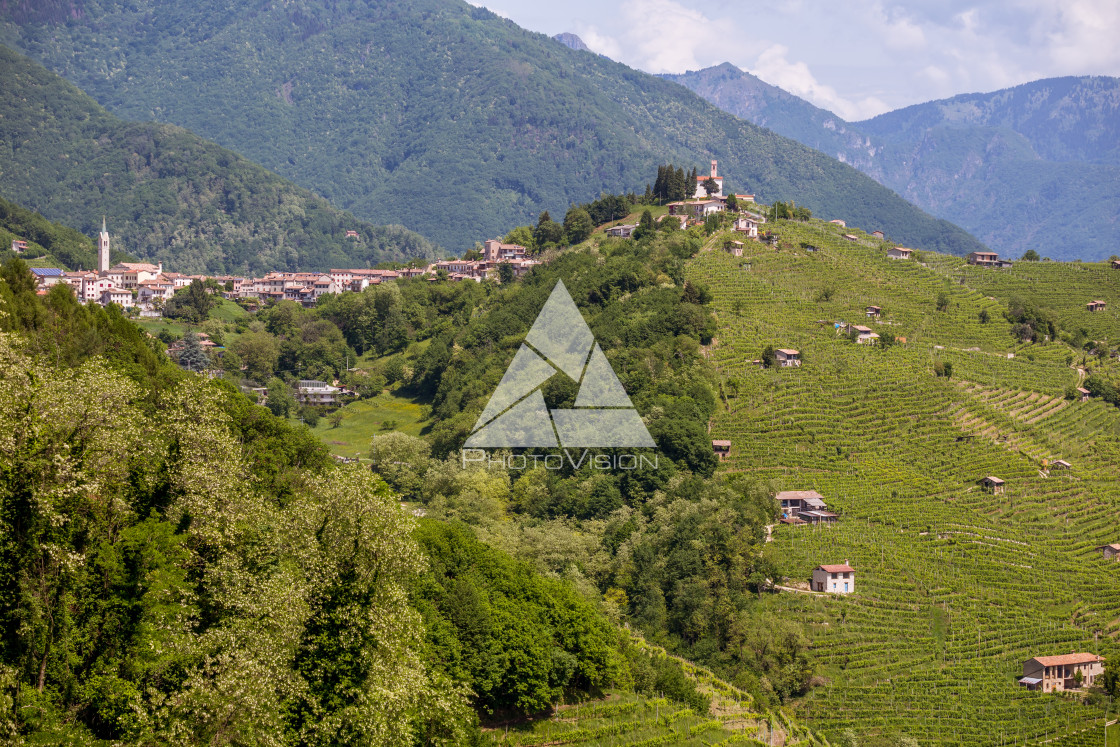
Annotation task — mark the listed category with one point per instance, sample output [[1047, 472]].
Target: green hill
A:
[[955, 587], [433, 114], [48, 244], [1019, 168], [169, 195]]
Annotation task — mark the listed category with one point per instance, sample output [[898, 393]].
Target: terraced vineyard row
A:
[[956, 586]]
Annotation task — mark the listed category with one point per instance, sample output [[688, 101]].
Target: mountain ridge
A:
[[169, 195], [1018, 167], [500, 123]]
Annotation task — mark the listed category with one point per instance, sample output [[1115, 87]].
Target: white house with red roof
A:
[[834, 579]]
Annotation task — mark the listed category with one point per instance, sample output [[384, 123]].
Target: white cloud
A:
[[774, 68], [665, 36]]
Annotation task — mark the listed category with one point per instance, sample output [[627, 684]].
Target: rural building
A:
[[735, 248], [351, 234], [1116, 264], [851, 237], [701, 178], [1110, 552], [838, 222], [1059, 673], [878, 234], [494, 250], [1004, 264], [1060, 464], [19, 246], [874, 312], [722, 449], [994, 484], [744, 198], [787, 357], [1083, 394], [834, 579], [46, 277], [899, 253], [624, 232], [119, 296], [863, 335], [747, 225], [312, 392], [983, 259], [793, 501], [1095, 306]]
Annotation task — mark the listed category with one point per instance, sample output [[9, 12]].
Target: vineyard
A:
[[957, 586], [632, 720]]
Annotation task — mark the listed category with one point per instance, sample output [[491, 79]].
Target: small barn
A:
[[834, 579], [994, 485]]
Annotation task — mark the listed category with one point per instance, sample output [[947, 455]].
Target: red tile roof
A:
[[845, 568], [1067, 659]]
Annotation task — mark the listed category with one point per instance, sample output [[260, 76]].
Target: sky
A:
[[857, 58]]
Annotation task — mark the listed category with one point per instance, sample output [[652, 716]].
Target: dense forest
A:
[[179, 566], [48, 242], [169, 195], [495, 126]]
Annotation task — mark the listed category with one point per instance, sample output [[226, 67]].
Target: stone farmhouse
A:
[[1060, 673]]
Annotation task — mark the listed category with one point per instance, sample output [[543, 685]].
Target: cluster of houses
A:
[[147, 286]]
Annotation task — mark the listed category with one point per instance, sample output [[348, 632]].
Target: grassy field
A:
[[956, 587], [363, 419]]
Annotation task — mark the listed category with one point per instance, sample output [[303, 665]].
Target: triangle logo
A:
[[559, 342]]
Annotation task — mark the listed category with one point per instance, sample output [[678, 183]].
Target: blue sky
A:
[[857, 58]]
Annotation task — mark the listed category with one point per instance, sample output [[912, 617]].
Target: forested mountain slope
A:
[[169, 195], [433, 114], [1016, 167]]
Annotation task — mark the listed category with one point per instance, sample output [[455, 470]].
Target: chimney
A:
[[159, 270]]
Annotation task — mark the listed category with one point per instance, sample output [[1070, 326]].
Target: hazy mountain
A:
[[169, 195], [433, 113], [1031, 167], [571, 41]]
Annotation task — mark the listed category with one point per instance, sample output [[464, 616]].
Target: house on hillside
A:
[[994, 485], [983, 259], [624, 231], [851, 237], [899, 252], [721, 448], [351, 234], [46, 277], [791, 502], [838, 222], [834, 579], [874, 312], [1083, 394], [787, 357], [861, 334], [1060, 673], [879, 235], [1095, 306], [1110, 552], [1060, 464], [494, 250], [747, 225], [734, 248], [1116, 264], [744, 198], [19, 246], [312, 392]]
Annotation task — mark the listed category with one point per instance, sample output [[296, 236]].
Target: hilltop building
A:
[[623, 231], [1059, 673], [899, 253], [700, 192], [834, 579]]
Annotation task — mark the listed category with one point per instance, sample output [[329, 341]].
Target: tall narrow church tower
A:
[[103, 248]]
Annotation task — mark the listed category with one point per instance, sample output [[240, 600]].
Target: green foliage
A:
[[280, 401], [577, 226], [192, 303], [169, 195], [68, 248], [1030, 256], [518, 641], [193, 356], [504, 123]]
